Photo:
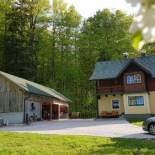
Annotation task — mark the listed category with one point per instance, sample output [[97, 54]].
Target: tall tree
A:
[[20, 40], [4, 9], [103, 37], [64, 26]]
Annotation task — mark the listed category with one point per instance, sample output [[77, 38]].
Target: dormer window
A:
[[134, 78]]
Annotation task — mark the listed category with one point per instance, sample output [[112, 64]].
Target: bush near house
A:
[[35, 144], [136, 122]]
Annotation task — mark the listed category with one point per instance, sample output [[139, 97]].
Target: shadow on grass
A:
[[120, 146], [73, 145]]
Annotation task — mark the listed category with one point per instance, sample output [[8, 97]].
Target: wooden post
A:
[[41, 116], [58, 111], [51, 111]]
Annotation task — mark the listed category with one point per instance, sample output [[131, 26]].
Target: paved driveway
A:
[[104, 127]]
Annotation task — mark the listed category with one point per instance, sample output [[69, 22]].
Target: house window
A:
[[134, 78], [115, 104], [136, 100]]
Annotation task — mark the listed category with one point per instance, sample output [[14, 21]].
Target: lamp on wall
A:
[[32, 107]]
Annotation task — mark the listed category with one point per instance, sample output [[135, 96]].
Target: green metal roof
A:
[[34, 88], [112, 69]]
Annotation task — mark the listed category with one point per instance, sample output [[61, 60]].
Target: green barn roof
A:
[[34, 88], [112, 69]]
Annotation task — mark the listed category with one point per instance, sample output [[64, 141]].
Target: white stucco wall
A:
[[105, 104], [13, 117], [145, 109]]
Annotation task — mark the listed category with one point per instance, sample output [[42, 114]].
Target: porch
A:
[[110, 105]]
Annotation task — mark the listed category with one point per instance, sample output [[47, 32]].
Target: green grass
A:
[[35, 144], [137, 122]]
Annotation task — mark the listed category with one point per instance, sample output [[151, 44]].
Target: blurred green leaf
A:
[[136, 39]]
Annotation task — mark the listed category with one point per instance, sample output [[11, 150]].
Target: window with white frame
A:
[[134, 78], [136, 100], [115, 104]]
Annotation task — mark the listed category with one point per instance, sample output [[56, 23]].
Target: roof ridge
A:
[[26, 84], [111, 69], [140, 57]]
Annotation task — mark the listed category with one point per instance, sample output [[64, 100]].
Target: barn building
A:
[[22, 100]]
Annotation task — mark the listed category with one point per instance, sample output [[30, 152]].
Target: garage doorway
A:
[[46, 112], [55, 111]]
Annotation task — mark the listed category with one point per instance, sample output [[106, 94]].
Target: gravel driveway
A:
[[102, 127]]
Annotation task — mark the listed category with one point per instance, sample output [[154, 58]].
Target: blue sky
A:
[[88, 8]]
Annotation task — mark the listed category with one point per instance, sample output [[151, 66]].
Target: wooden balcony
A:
[[111, 89]]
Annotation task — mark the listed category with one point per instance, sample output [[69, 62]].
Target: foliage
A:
[[137, 122], [143, 23], [109, 34], [104, 36], [137, 38], [26, 144], [19, 36]]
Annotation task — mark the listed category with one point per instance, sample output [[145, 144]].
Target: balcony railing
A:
[[111, 89]]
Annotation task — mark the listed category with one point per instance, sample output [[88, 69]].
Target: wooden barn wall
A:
[[11, 97]]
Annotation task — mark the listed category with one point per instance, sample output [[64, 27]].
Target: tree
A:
[[4, 9], [60, 57], [20, 56], [103, 37]]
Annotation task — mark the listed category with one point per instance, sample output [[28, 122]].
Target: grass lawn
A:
[[35, 144], [137, 122]]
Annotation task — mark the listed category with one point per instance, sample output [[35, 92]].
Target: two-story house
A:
[[126, 86]]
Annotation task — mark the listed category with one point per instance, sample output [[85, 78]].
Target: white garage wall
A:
[[13, 117]]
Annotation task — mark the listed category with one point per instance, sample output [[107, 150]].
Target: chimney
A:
[[143, 53], [125, 55]]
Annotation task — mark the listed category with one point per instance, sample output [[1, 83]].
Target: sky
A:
[[88, 8]]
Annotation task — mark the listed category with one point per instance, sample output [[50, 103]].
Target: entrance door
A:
[[55, 111], [46, 111]]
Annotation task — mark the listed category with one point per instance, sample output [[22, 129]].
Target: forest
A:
[[55, 46]]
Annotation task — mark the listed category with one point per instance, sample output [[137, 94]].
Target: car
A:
[[149, 125]]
